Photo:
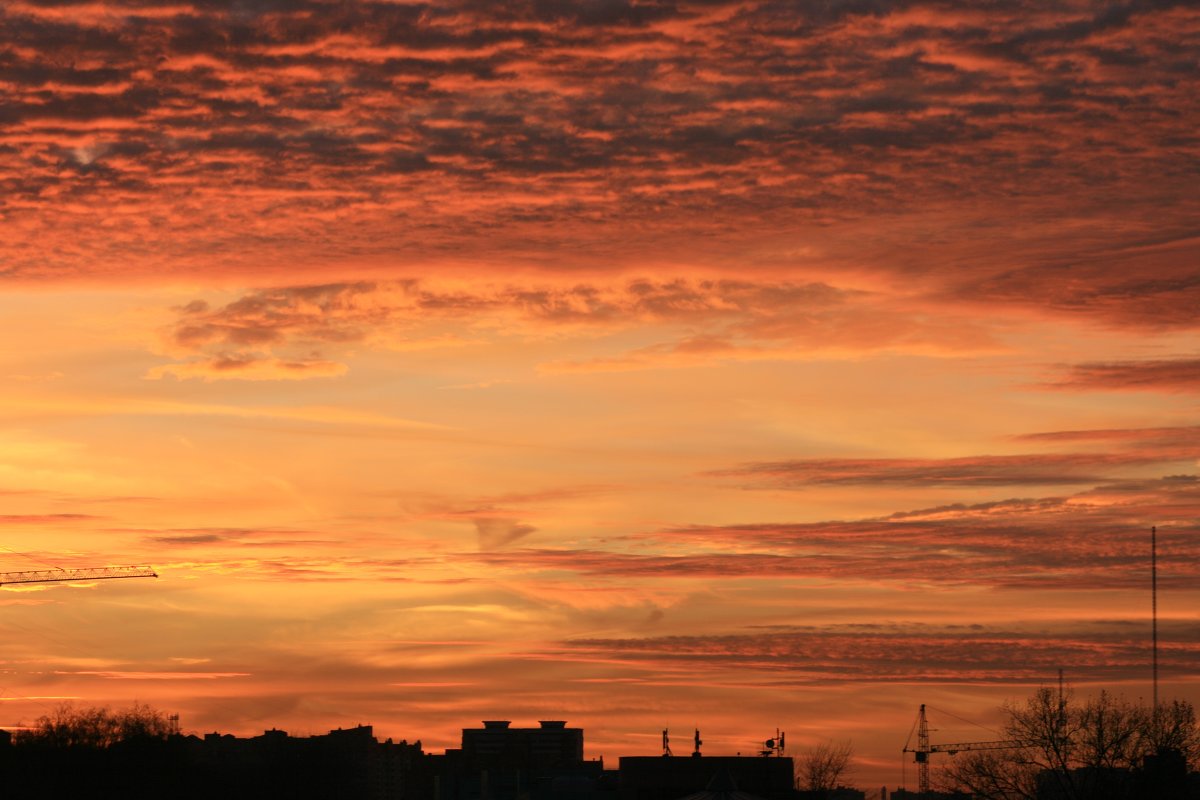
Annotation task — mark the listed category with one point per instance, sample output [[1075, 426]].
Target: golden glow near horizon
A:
[[641, 366]]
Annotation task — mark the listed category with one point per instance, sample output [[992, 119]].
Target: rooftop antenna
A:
[[666, 743], [773, 747], [696, 738]]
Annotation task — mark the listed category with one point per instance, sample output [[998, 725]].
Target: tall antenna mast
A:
[[1154, 608], [1062, 701]]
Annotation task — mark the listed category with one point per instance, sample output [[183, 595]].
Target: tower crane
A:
[[924, 749], [81, 574]]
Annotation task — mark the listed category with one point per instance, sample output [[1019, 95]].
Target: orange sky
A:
[[733, 365]]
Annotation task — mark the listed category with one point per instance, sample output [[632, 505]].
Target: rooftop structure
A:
[[550, 744]]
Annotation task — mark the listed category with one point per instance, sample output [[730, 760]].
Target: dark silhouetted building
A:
[[837, 793], [550, 744], [722, 787], [907, 794], [1163, 776], [344, 763], [340, 765], [500, 762], [675, 777]]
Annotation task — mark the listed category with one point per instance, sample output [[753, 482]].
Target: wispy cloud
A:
[[44, 519], [251, 368], [1160, 375], [495, 533], [901, 653], [285, 332], [1095, 539], [1016, 470], [1137, 439], [137, 675], [1100, 456]]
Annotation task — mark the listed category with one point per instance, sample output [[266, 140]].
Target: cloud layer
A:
[[1028, 156]]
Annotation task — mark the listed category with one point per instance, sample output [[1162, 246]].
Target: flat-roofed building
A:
[[550, 744]]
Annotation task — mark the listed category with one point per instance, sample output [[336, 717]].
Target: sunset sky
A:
[[725, 364]]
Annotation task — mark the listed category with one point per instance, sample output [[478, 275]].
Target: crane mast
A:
[[81, 574], [924, 749]]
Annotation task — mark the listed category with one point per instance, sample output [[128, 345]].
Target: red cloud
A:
[[941, 151]]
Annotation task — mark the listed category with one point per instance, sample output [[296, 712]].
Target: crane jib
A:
[[82, 574]]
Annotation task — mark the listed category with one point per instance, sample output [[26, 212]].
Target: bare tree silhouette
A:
[[1076, 751], [821, 768], [95, 727]]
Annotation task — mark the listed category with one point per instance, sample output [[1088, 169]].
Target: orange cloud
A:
[[281, 332], [1016, 470], [44, 519], [1162, 375], [249, 368], [1094, 539]]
